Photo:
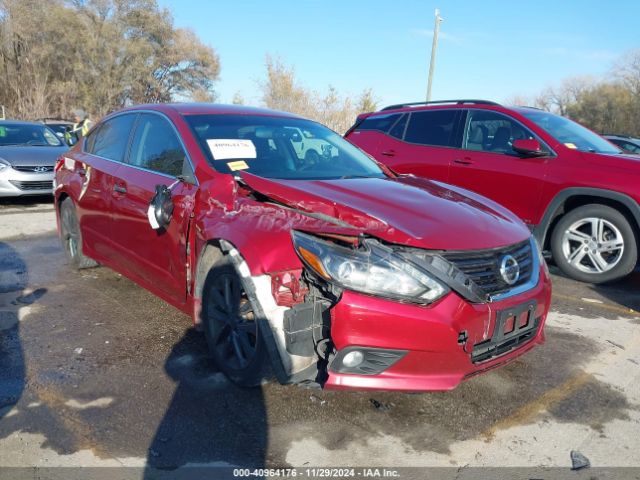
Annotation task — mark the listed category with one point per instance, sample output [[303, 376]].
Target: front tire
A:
[[71, 236], [231, 327], [595, 244]]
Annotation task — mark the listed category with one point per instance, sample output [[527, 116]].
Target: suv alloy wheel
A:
[[594, 243]]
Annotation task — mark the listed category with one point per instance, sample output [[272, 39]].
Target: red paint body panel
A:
[[405, 210], [435, 360]]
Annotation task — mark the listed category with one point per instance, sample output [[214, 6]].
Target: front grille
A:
[[34, 168], [46, 185], [483, 266]]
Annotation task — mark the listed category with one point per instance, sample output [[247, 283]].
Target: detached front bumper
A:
[[14, 183], [422, 348]]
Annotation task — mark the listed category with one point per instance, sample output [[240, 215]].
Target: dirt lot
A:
[[98, 372]]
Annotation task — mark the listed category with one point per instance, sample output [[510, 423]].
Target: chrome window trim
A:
[[533, 280]]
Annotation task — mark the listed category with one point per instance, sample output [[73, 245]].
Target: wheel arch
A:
[[572, 198], [61, 197], [212, 252]]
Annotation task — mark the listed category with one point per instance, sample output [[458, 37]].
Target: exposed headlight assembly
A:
[[373, 269]]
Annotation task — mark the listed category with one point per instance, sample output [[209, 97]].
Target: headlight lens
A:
[[375, 270], [4, 164]]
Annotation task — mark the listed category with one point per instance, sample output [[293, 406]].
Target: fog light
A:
[[353, 359]]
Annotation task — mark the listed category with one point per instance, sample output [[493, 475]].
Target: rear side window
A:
[[156, 146], [436, 127], [399, 127], [111, 139], [379, 122]]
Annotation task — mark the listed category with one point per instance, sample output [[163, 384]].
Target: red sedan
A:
[[325, 268]]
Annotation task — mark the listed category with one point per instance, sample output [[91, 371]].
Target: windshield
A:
[[276, 147], [26, 134], [570, 133]]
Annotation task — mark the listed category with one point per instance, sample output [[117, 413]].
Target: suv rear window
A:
[[434, 127]]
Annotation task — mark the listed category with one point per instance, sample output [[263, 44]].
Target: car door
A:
[[96, 166], [488, 165], [157, 258], [423, 143]]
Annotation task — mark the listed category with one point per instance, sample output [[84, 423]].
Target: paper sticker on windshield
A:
[[571, 145], [239, 165], [227, 149]]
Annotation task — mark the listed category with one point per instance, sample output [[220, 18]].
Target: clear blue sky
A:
[[488, 49]]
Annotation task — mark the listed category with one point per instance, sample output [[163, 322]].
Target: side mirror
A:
[[528, 147], [161, 208]]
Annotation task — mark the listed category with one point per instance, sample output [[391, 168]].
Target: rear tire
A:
[[594, 244], [231, 327], [71, 236]]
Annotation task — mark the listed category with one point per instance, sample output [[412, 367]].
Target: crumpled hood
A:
[[28, 155], [405, 210]]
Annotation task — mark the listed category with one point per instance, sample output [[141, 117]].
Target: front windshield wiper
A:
[[345, 177]]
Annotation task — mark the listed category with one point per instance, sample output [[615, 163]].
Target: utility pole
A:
[[434, 48]]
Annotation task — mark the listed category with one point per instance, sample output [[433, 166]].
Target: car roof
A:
[[54, 121], [209, 109], [19, 122]]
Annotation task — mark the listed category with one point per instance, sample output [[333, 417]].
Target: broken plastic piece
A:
[[579, 461]]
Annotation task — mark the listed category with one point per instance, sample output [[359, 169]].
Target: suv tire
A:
[[595, 244]]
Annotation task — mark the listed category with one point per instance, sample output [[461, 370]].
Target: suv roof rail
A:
[[440, 102], [532, 107]]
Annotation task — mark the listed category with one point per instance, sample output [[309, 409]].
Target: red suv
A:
[[575, 190], [332, 269]]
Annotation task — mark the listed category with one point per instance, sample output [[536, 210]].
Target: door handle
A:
[[120, 189], [389, 153], [463, 161]]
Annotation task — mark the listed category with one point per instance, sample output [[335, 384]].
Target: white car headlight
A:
[[372, 269], [4, 164]]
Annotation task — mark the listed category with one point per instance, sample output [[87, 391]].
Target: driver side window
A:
[[491, 132], [156, 147]]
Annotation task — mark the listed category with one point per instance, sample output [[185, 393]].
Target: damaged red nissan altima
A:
[[292, 249]]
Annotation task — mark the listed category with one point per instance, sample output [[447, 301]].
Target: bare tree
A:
[[99, 55], [281, 91], [608, 105]]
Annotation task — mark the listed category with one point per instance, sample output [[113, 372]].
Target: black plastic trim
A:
[[540, 231], [440, 102], [500, 342], [376, 360]]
